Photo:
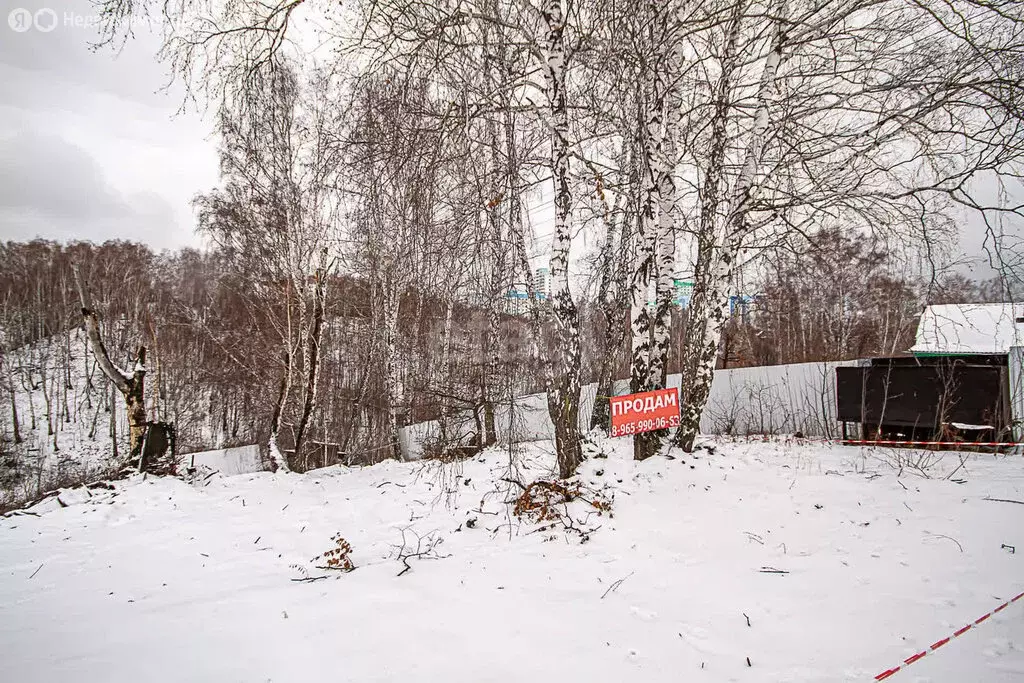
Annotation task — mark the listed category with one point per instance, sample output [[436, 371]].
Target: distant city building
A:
[[684, 290], [742, 305], [542, 283], [517, 299], [516, 302]]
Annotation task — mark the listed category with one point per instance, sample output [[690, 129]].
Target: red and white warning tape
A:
[[868, 442], [935, 646], [894, 442]]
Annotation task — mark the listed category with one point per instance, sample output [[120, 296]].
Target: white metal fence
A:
[[779, 399]]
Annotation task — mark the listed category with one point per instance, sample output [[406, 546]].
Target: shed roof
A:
[[969, 328]]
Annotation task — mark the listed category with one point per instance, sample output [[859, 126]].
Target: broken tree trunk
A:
[[131, 386]]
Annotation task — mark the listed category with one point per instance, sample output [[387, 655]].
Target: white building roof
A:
[[970, 328]]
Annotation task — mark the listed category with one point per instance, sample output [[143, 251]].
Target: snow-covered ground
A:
[[162, 580]]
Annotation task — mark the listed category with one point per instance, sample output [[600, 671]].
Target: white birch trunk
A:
[[714, 307], [711, 194], [643, 260], [667, 196], [655, 258], [446, 360], [278, 460], [665, 261], [392, 390], [313, 349], [609, 296], [492, 360], [640, 314], [495, 236], [564, 392]]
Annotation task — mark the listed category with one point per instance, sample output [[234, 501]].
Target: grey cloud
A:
[[51, 187], [54, 178], [65, 56], [89, 146]]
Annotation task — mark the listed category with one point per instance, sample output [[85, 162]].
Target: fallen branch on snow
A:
[[1004, 500], [949, 537], [520, 484], [615, 586], [19, 513]]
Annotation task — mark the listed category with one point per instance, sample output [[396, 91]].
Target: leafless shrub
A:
[[445, 465], [426, 548], [918, 461]]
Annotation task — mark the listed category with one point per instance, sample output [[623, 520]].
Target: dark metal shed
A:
[[931, 398]]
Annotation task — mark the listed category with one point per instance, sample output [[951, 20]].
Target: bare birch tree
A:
[[273, 215], [852, 114]]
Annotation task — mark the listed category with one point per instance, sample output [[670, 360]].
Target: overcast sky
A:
[[89, 149]]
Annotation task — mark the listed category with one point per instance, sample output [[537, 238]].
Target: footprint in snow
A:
[[642, 614], [693, 635], [998, 647]]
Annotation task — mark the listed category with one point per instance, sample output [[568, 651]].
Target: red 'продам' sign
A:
[[645, 412]]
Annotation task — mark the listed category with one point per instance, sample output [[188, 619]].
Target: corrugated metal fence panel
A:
[[779, 399]]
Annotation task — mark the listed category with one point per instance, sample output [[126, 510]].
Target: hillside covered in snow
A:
[[61, 423]]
